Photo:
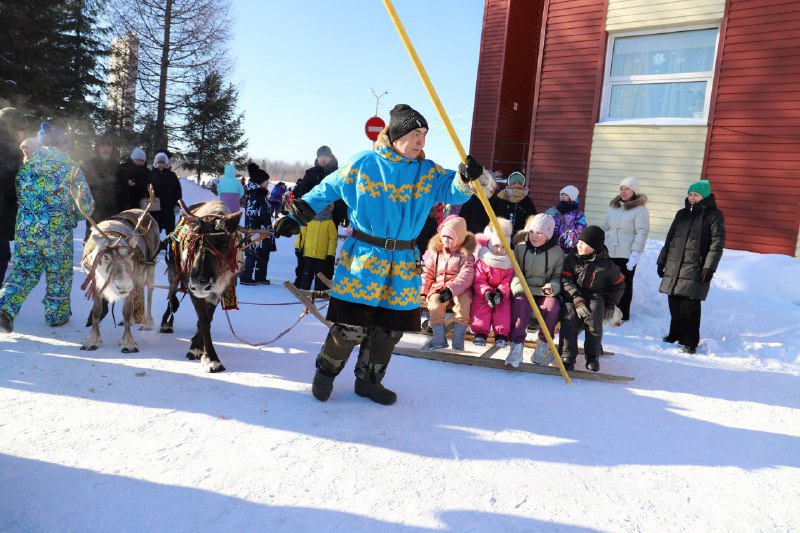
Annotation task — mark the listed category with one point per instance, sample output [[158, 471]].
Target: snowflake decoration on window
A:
[[659, 59]]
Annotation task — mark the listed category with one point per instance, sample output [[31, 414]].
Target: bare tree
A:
[[180, 41]]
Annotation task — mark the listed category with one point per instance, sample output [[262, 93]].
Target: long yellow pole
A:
[[478, 189]]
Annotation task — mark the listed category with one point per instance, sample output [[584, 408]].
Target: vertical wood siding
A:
[[665, 159], [627, 15], [753, 146], [567, 93], [504, 91]]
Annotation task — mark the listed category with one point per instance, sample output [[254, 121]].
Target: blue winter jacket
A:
[[387, 196]]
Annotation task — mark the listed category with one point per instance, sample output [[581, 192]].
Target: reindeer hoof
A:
[[214, 367], [192, 357], [149, 328], [165, 329], [130, 350]]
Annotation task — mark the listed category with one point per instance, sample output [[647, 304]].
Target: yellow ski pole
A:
[[478, 189]]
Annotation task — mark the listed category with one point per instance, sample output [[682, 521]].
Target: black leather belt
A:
[[387, 244]]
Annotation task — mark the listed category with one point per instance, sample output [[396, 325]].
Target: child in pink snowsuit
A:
[[448, 269], [491, 308]]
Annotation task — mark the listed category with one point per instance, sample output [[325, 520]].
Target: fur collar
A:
[[467, 247], [383, 141], [636, 201], [514, 196]]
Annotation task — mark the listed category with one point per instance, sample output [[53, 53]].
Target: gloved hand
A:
[[445, 295], [608, 314], [707, 275], [633, 260], [660, 271], [286, 226], [470, 171], [493, 298], [581, 308]]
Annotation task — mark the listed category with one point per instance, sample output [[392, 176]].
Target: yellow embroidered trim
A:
[[374, 291]]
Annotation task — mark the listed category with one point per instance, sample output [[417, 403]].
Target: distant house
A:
[[586, 92]]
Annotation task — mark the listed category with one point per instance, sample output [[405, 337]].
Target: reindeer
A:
[[119, 259], [206, 258]]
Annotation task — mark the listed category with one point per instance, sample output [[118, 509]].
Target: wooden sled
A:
[[484, 359]]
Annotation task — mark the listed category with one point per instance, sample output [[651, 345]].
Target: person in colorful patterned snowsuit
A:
[[375, 298], [45, 220]]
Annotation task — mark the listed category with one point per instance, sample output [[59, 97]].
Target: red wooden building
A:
[[586, 92]]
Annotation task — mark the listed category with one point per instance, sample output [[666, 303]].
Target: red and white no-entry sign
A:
[[373, 127]]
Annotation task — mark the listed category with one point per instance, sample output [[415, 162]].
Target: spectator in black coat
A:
[[511, 203], [687, 262], [137, 176], [168, 191], [109, 192], [325, 164], [12, 131]]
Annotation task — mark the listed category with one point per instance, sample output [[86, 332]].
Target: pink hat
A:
[[542, 223], [454, 227]]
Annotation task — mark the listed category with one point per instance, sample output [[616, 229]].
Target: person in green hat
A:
[[687, 262]]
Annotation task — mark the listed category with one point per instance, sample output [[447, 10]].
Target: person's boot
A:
[[593, 365], [322, 386], [542, 355], [6, 323], [375, 392], [458, 336], [439, 338], [569, 365], [515, 355]]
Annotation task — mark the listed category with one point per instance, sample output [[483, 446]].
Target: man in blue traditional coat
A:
[[375, 298]]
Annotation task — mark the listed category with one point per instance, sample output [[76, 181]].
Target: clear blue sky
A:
[[304, 69]]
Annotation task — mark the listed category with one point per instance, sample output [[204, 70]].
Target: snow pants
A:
[[521, 315], [256, 261], [30, 259], [484, 317], [685, 322], [373, 355], [571, 326], [461, 308]]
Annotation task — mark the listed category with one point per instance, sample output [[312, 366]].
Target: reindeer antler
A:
[[141, 217], [78, 204], [186, 213]]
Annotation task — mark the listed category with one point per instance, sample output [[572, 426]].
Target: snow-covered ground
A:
[[101, 441]]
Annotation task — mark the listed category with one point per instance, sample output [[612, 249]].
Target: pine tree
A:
[[213, 131]]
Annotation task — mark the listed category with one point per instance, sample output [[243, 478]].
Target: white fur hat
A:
[[571, 191], [505, 225], [632, 183]]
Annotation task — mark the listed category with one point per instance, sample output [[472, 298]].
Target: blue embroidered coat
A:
[[387, 196]]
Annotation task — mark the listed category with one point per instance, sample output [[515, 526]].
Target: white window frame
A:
[[609, 81]]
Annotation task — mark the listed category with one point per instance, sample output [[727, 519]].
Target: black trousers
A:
[[572, 325], [685, 320], [256, 260], [627, 296], [308, 277]]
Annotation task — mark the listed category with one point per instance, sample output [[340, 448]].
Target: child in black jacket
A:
[[592, 286]]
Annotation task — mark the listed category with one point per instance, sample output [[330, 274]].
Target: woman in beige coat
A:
[[627, 226]]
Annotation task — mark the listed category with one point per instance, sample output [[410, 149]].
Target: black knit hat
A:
[[594, 236], [324, 151], [402, 119]]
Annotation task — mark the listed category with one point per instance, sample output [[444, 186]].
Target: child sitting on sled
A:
[[491, 308], [448, 270], [593, 286], [541, 260]]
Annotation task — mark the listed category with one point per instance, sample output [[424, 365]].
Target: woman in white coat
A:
[[627, 225]]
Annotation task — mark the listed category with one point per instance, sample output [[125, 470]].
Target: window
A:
[[659, 78]]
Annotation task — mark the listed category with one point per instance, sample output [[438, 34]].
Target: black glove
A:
[[660, 271], [581, 308], [707, 275], [302, 212], [609, 312], [470, 171], [445, 295], [286, 227], [490, 298], [496, 296]]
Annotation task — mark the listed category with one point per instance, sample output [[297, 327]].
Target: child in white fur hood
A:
[[491, 306]]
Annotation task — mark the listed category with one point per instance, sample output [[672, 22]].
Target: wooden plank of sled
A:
[[473, 360]]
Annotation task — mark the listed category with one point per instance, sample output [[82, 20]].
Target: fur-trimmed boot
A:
[[439, 338], [458, 336]]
